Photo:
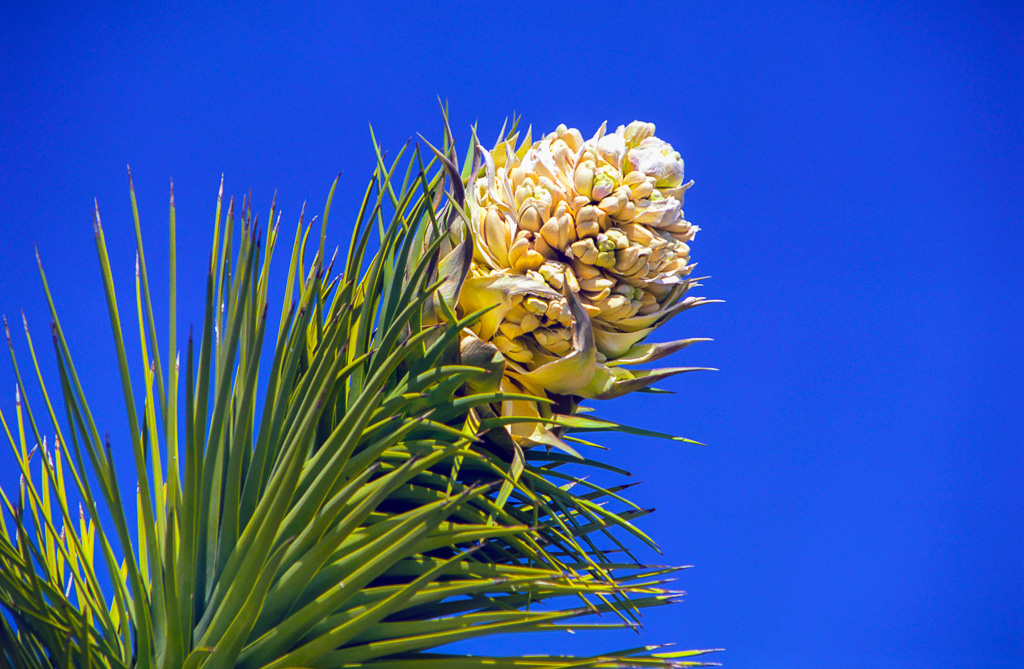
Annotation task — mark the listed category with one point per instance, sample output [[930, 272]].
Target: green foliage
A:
[[353, 512]]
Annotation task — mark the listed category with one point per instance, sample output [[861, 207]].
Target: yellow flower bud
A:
[[617, 238], [584, 272], [597, 284], [626, 258], [541, 245], [560, 347], [637, 234], [545, 338], [615, 307], [588, 221], [549, 231], [639, 269], [510, 329], [657, 256], [521, 246], [530, 323], [529, 217], [522, 258], [511, 349]]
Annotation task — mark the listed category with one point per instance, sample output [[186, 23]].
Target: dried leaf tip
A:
[[97, 225]]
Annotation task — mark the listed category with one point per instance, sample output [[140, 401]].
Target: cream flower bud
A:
[[611, 149], [529, 218], [598, 284], [583, 178], [517, 175], [615, 203], [605, 182], [636, 132], [496, 235], [637, 234], [658, 212], [628, 212], [657, 159], [627, 258], [556, 274], [562, 155], [585, 250], [574, 138], [559, 232], [618, 238], [584, 272], [523, 194], [634, 178], [588, 221], [642, 191]]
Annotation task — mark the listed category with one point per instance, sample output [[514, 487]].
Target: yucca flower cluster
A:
[[565, 220], [608, 209]]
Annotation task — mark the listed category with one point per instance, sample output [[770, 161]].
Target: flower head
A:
[[580, 250], [606, 211]]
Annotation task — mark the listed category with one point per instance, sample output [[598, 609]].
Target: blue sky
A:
[[858, 173]]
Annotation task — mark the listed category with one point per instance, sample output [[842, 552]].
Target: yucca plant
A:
[[396, 484]]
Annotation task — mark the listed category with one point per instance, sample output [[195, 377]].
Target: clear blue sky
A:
[[858, 170]]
